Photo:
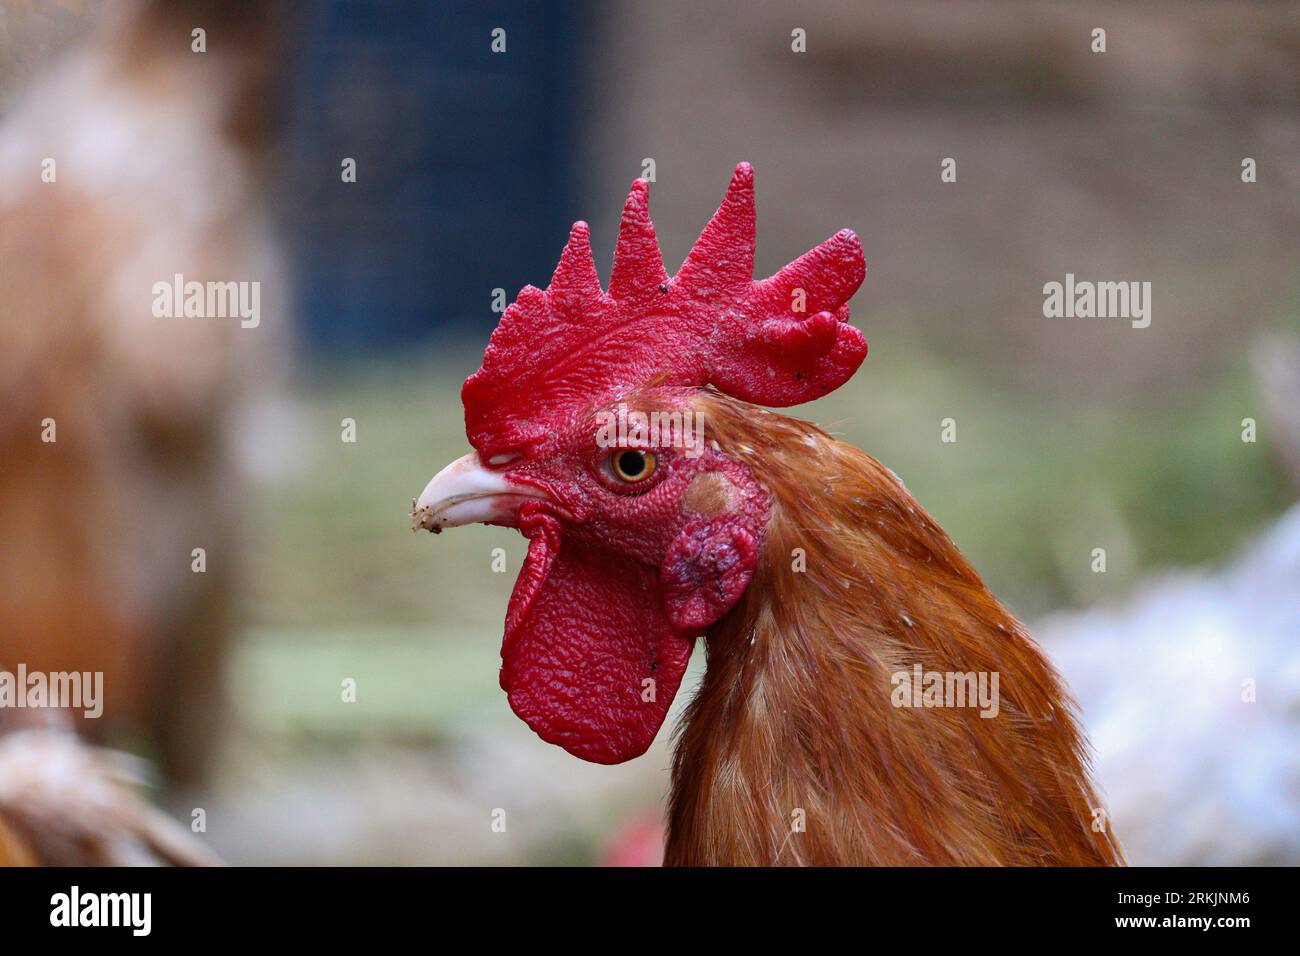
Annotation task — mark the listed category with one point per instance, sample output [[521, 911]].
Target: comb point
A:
[[721, 263], [638, 264], [575, 284]]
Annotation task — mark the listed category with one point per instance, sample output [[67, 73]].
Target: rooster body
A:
[[810, 572], [794, 720]]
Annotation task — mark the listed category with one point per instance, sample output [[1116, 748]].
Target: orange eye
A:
[[633, 465]]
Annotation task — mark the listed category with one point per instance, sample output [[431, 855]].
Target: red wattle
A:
[[590, 661]]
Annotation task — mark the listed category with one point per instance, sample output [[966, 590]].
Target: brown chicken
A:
[[867, 700], [129, 161]]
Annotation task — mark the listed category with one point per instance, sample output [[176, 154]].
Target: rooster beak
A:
[[464, 493]]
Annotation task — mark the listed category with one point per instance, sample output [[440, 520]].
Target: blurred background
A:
[[474, 151]]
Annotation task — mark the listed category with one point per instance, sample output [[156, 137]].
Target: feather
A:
[[793, 751]]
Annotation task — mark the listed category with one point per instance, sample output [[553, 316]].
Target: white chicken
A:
[[1191, 696]]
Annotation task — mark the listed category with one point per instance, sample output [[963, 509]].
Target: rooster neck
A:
[[794, 751]]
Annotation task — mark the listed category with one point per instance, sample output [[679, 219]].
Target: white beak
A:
[[464, 493]]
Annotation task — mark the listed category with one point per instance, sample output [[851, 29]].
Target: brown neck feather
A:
[[793, 751]]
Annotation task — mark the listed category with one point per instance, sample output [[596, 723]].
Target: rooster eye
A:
[[632, 465]]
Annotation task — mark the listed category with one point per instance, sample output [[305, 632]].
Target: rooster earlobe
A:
[[705, 572]]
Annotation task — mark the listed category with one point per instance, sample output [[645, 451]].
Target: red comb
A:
[[562, 349]]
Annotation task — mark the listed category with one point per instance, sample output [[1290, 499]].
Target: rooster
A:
[[813, 576]]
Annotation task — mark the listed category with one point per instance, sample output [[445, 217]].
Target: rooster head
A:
[[588, 437]]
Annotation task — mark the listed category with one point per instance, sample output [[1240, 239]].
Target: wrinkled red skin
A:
[[617, 585], [619, 582], [572, 344], [705, 571]]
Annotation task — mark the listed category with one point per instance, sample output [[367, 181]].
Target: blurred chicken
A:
[[1199, 767], [1191, 689], [63, 803], [135, 158]]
